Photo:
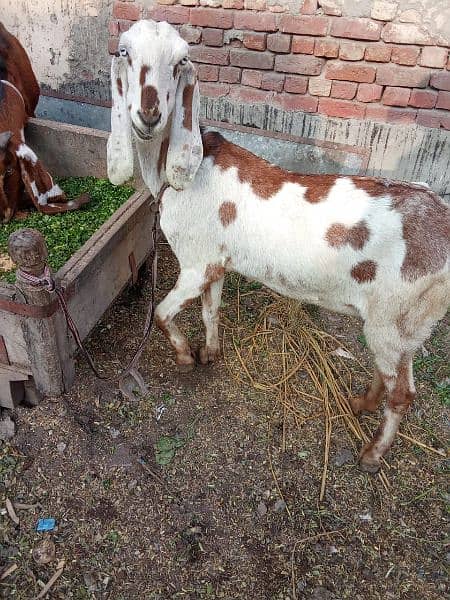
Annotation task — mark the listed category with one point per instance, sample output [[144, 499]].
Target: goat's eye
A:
[[183, 61], [123, 52]]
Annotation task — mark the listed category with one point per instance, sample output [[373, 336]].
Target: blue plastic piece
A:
[[45, 524]]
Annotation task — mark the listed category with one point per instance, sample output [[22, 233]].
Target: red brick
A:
[[113, 28], [351, 51], [345, 109], [249, 95], [428, 118], [278, 42], [405, 33], [369, 92], [124, 25], [296, 102], [177, 15], [252, 78], [300, 63], [251, 60], [208, 72], [327, 48], [213, 90], [378, 53], [389, 74], [212, 56], [229, 74], [309, 7], [302, 45], [405, 55], [434, 57], [276, 8], [304, 25], [445, 121], [256, 21], [272, 81], [166, 1], [212, 17], [113, 44], [237, 4], [255, 41], [396, 96], [319, 87], [443, 100], [212, 37], [296, 84], [441, 81], [127, 10], [255, 4], [350, 72], [357, 29], [379, 112], [192, 35], [423, 98], [330, 7], [345, 90]]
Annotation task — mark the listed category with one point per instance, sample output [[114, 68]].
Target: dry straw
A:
[[289, 357]]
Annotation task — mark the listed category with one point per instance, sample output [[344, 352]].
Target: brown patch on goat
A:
[[364, 271], [425, 222], [265, 179], [129, 61], [188, 94], [149, 98], [227, 213], [119, 86], [339, 235], [163, 155], [176, 71], [319, 187], [143, 74]]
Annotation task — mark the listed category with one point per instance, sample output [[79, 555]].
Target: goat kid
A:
[[362, 246], [20, 168]]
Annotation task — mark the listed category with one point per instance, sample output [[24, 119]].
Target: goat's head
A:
[[154, 90]]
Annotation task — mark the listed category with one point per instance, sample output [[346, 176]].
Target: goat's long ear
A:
[[185, 147], [119, 150]]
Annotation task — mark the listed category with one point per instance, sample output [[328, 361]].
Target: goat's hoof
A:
[[368, 463], [207, 355]]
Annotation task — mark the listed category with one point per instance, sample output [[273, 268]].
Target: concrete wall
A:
[[67, 41]]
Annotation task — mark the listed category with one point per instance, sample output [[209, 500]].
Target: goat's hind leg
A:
[[371, 399], [210, 313], [400, 395], [188, 287]]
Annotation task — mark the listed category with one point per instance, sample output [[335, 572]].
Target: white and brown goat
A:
[[20, 168], [362, 246]]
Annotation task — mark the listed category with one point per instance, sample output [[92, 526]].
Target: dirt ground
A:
[[210, 522]]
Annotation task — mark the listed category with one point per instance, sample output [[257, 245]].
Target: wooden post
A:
[[46, 338]]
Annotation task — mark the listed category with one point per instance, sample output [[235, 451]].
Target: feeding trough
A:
[[36, 349]]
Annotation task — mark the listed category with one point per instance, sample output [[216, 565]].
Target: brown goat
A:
[[20, 169]]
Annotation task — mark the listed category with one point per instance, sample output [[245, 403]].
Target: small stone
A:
[[261, 509], [343, 456], [114, 432], [321, 593], [61, 447], [366, 516], [7, 428], [279, 505], [44, 552]]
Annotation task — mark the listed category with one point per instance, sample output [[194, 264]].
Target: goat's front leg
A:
[[188, 287], [210, 312]]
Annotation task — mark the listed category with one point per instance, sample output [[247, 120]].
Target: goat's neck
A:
[[152, 160]]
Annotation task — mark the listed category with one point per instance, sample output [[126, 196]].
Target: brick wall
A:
[[316, 61]]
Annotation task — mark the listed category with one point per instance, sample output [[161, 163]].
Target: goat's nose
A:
[[150, 116]]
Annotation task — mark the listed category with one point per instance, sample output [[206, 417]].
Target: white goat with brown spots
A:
[[361, 246]]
